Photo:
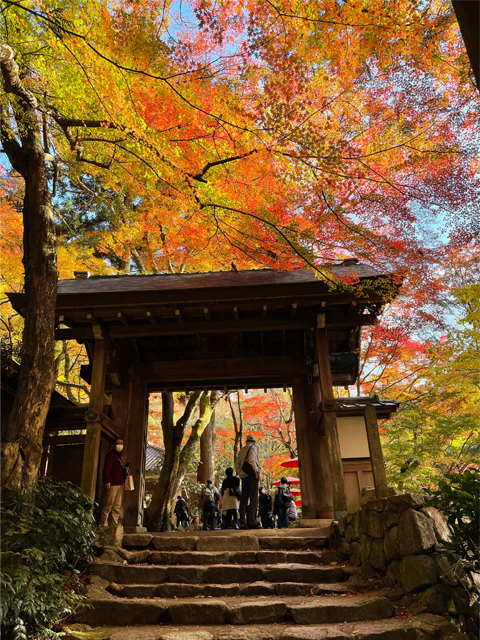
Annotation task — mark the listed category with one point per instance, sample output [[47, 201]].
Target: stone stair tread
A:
[[238, 610], [232, 541], [262, 588], [392, 629], [240, 557], [218, 573]]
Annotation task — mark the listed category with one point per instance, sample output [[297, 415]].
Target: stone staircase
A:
[[234, 586]]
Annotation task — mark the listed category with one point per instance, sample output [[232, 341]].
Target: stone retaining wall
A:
[[401, 541]]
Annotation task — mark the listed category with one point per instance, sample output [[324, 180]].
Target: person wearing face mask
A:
[[114, 474]]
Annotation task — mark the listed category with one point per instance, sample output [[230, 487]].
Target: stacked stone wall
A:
[[401, 540]]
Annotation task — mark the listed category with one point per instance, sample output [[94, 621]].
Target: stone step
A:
[[325, 556], [317, 610], [234, 541], [263, 588], [219, 573], [392, 629]]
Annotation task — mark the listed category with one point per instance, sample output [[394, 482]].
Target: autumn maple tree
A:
[[204, 133]]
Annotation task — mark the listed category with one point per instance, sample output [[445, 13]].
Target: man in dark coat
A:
[[181, 511], [113, 478], [265, 508]]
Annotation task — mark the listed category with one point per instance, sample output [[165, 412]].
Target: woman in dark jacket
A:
[[230, 492], [265, 508]]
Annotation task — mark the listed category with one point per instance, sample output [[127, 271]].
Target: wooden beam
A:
[[226, 368], [217, 384], [264, 311], [178, 315], [207, 314], [216, 326], [376, 453], [235, 313], [293, 310], [329, 420], [124, 318], [95, 406], [78, 439], [150, 317]]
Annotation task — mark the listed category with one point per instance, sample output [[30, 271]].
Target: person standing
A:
[[292, 511], [208, 497], [230, 491], [114, 474], [181, 511], [265, 508], [248, 468], [282, 502]]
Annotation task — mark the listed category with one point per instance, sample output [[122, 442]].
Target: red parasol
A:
[[290, 464], [298, 502], [289, 481], [295, 492]]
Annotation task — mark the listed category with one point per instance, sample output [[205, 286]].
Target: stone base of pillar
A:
[[315, 523], [137, 529]]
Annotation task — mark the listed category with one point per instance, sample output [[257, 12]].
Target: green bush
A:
[[46, 541], [458, 497]]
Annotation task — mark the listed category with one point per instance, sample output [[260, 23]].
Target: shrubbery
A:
[[458, 497], [46, 541]]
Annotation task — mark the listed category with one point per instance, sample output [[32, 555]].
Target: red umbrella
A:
[[289, 480], [290, 464], [298, 502], [295, 492]]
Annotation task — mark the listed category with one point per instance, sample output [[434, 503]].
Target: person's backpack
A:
[[278, 500], [247, 467], [287, 499], [208, 495], [282, 499]]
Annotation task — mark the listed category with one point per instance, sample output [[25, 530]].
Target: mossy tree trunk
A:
[[22, 143], [206, 468], [177, 458]]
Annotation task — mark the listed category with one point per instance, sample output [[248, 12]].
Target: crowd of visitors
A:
[[240, 503]]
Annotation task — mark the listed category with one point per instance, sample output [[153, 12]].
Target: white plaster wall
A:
[[353, 437]]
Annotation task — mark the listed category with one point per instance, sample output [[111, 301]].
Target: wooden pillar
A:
[[376, 453], [315, 502], [329, 419], [135, 440], [95, 406], [324, 477]]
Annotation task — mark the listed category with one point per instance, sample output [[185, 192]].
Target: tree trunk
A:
[[158, 514], [468, 18], [198, 429], [206, 468], [37, 375], [238, 427]]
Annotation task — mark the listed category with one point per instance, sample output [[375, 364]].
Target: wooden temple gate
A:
[[227, 330]]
